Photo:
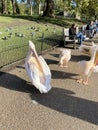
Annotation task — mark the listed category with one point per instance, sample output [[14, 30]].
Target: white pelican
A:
[[65, 56], [87, 67], [87, 49], [38, 70]]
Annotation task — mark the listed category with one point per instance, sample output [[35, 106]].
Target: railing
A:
[[15, 48]]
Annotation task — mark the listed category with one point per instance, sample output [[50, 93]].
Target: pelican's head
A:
[[92, 43], [94, 48], [32, 47]]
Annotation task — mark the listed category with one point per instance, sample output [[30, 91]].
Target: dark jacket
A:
[[72, 33]]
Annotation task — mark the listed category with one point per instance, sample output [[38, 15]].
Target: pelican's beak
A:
[[32, 48], [31, 45]]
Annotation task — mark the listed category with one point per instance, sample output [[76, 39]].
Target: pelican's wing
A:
[[96, 58], [47, 73], [96, 62], [87, 49], [33, 74]]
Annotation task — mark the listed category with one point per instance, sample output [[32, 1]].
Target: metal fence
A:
[[16, 48]]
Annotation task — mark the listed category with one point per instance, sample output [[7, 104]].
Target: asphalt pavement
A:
[[67, 106]]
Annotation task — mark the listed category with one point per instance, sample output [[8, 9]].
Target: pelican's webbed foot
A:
[[79, 81], [85, 82]]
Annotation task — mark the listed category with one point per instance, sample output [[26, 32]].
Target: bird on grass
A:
[[5, 38], [19, 35], [33, 33]]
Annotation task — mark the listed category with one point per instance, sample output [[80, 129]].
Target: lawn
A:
[[16, 31]]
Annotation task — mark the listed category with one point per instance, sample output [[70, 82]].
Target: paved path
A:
[[68, 106]]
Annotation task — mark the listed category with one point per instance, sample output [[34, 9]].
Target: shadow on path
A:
[[62, 75], [55, 55], [63, 101], [49, 61], [14, 82], [77, 58], [58, 99]]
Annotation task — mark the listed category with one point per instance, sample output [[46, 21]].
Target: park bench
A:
[[67, 38], [74, 41]]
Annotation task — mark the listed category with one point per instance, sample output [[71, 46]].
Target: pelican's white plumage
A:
[[87, 67], [87, 49], [38, 70], [65, 56]]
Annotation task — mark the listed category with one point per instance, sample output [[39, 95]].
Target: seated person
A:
[[96, 22], [73, 33], [91, 29], [96, 25]]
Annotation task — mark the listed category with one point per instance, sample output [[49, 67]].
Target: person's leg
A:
[[92, 33], [80, 36]]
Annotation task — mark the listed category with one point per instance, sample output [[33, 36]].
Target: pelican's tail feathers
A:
[[47, 73]]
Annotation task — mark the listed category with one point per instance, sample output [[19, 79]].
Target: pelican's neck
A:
[[29, 55], [93, 55], [35, 55], [38, 61], [96, 58]]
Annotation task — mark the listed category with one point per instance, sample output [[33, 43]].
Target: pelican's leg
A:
[[80, 80], [60, 65], [65, 64], [85, 82], [61, 62]]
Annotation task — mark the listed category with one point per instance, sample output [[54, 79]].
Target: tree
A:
[[9, 7], [49, 8], [3, 8], [29, 4], [39, 4], [14, 6], [93, 8]]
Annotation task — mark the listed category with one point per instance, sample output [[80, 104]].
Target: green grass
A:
[[14, 47]]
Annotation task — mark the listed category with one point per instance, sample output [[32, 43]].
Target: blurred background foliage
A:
[[81, 9]]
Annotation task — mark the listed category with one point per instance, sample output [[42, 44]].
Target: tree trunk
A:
[[39, 8], [77, 16], [3, 7], [14, 6], [49, 8], [31, 10]]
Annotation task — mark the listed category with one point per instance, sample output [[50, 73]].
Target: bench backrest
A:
[[66, 31]]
